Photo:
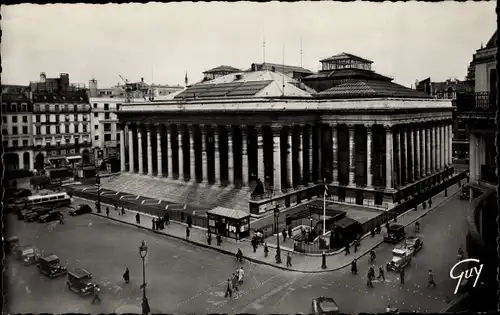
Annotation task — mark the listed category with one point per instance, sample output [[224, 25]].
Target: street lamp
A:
[[143, 252], [276, 220], [98, 185]]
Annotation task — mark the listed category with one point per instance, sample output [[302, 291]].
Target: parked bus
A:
[[49, 200]]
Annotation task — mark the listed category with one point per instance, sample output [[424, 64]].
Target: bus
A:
[[49, 200]]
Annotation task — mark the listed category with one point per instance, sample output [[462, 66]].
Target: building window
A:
[[95, 105], [14, 130], [118, 137], [84, 128], [106, 106], [13, 108], [38, 130], [107, 127], [96, 115], [25, 119], [96, 127], [75, 108], [107, 137], [5, 132], [65, 107], [96, 138], [58, 129], [4, 119], [37, 108], [68, 139], [106, 115], [57, 118], [47, 108], [77, 140], [25, 130], [75, 117], [14, 143], [47, 118], [57, 108], [47, 130], [25, 143], [66, 117], [14, 119], [37, 118]]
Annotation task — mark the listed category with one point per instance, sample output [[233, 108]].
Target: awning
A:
[[75, 157], [57, 158]]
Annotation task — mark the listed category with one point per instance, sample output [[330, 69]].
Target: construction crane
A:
[[128, 89]]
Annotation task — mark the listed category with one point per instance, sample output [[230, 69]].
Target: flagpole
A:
[[324, 209]]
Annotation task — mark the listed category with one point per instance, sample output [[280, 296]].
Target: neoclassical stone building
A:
[[373, 141]]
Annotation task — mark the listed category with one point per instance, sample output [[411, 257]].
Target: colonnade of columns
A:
[[287, 157]]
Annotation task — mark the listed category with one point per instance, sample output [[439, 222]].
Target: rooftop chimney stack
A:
[[42, 77]]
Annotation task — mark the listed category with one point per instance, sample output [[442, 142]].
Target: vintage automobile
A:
[[35, 214], [28, 254], [413, 244], [395, 234], [16, 205], [50, 216], [51, 266], [22, 212], [324, 305], [79, 282], [401, 258], [10, 243], [80, 209]]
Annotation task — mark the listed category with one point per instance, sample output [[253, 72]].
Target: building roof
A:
[[223, 68], [370, 88], [348, 73], [345, 55], [493, 41], [229, 213], [279, 68], [246, 85], [14, 97], [69, 97]]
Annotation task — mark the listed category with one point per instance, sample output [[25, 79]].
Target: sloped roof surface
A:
[[280, 67], [361, 89], [223, 68], [229, 213], [60, 98], [345, 55], [14, 97], [493, 41], [350, 73]]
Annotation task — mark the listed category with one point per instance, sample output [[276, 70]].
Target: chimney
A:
[[142, 80], [254, 67], [42, 77], [273, 69]]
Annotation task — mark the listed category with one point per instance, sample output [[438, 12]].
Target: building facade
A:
[[17, 112], [104, 127], [374, 146]]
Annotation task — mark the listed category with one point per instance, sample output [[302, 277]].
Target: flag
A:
[[327, 191], [186, 79]]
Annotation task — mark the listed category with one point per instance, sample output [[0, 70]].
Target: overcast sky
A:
[[161, 42]]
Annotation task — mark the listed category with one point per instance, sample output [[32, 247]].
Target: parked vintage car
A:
[[401, 258], [50, 216], [51, 266], [80, 209], [324, 306], [413, 244], [395, 234], [35, 214], [28, 254], [11, 243], [79, 282]]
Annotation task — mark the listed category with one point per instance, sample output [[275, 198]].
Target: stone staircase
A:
[[196, 194]]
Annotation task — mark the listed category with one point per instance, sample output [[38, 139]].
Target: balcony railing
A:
[[479, 102]]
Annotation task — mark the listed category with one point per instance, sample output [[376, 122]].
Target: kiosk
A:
[[229, 223]]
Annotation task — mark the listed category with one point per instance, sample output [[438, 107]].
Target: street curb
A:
[[257, 261]]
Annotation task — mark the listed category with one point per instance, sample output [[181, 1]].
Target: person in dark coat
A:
[[387, 225], [165, 218], [356, 245], [126, 275], [369, 279], [96, 294], [219, 240], [430, 203], [354, 267], [107, 211], [266, 250], [381, 273], [123, 210], [209, 238], [154, 224], [290, 232], [288, 260], [284, 235], [372, 232], [137, 218], [430, 280], [187, 232], [234, 282], [378, 229], [402, 276], [254, 244], [347, 251], [229, 290]]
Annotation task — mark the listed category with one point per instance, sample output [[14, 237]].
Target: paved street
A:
[[186, 278]]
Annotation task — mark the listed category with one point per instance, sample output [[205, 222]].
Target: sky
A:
[[162, 42]]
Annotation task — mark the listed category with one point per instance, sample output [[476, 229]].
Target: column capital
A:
[[276, 128], [129, 124], [351, 126], [390, 128], [333, 124], [369, 128]]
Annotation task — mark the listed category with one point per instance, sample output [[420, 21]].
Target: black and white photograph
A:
[[245, 157]]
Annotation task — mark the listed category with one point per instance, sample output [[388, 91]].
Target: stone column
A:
[[32, 161], [180, 136], [289, 162], [158, 149], [428, 144], [216, 155], [130, 150], [204, 152], [388, 154], [170, 168], [244, 156], [335, 154], [405, 144], [192, 158], [301, 155], [230, 155], [122, 150], [260, 154], [450, 144], [369, 176], [320, 153], [434, 151], [422, 151], [150, 153], [310, 156], [412, 154], [444, 151], [139, 149], [417, 152], [277, 159], [398, 141], [352, 165], [439, 147]]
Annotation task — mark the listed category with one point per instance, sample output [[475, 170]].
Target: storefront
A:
[[229, 223]]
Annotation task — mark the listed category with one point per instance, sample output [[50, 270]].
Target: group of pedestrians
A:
[[234, 282], [160, 222]]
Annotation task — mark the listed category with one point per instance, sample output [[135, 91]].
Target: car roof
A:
[[80, 273], [412, 238], [331, 305], [23, 247], [395, 226], [50, 257]]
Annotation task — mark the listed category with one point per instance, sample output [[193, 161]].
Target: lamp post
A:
[[98, 185], [276, 220], [143, 252]]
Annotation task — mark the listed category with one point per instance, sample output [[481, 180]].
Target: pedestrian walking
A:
[[371, 272], [116, 206], [402, 276], [219, 240], [107, 211], [354, 267], [372, 232], [430, 280], [123, 210], [347, 251], [356, 245], [234, 281], [266, 250], [381, 273], [126, 275], [96, 295], [187, 232], [430, 203], [290, 232], [284, 235], [424, 205], [153, 224], [288, 260], [167, 218], [137, 218], [395, 217], [209, 238], [369, 282], [387, 226], [229, 291], [254, 244], [378, 229]]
